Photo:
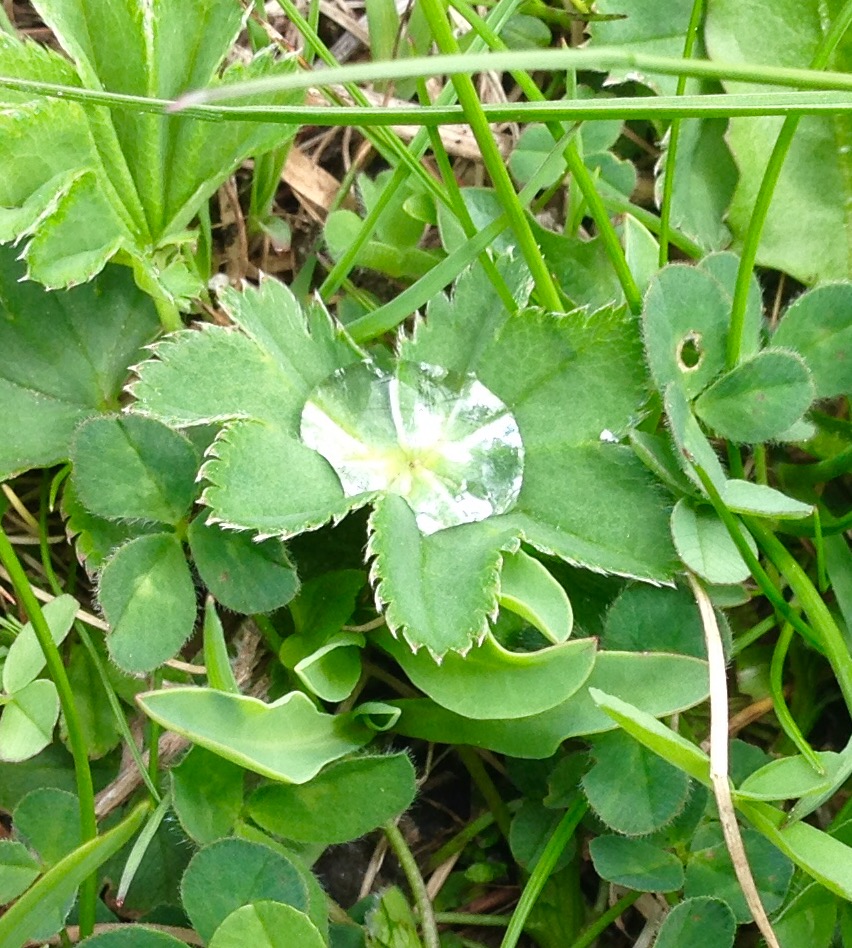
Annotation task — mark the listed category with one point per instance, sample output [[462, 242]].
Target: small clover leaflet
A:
[[485, 431]]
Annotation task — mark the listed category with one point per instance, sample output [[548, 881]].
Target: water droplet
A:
[[441, 440]]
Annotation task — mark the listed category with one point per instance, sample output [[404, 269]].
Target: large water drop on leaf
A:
[[441, 440]]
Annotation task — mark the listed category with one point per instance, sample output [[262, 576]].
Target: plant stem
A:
[[782, 712], [548, 292], [76, 738], [602, 922], [416, 884], [543, 868], [674, 136], [493, 799], [751, 241]]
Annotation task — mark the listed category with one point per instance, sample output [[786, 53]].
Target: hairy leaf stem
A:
[[397, 843]]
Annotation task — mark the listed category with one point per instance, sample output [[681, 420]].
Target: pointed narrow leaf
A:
[[25, 659], [789, 778]]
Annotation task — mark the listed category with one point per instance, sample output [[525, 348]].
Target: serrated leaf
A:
[[148, 598], [347, 799], [28, 720], [25, 659], [630, 788], [426, 598], [685, 322], [745, 497], [818, 325], [528, 589], [94, 333], [127, 467], [759, 399], [661, 684], [636, 864], [288, 740], [489, 681], [230, 873], [706, 547], [243, 574], [807, 229]]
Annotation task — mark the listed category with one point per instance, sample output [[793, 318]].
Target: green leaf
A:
[[288, 740], [390, 923], [690, 441], [807, 919], [28, 720], [788, 778], [97, 720], [745, 497], [18, 870], [111, 182], [759, 399], [344, 801], [694, 921], [63, 358], [653, 619], [49, 821], [530, 831], [685, 324], [135, 468], [57, 885], [427, 599], [636, 864], [25, 659], [231, 873], [208, 794], [661, 684], [705, 546], [267, 924], [489, 681], [807, 230], [132, 936], [528, 589], [148, 598], [220, 675], [724, 267], [818, 325], [243, 574], [709, 870], [630, 788]]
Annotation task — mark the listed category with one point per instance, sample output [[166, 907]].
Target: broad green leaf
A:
[[709, 871], [127, 467], [705, 546], [583, 267], [808, 919], [28, 720], [112, 183], [745, 497], [759, 399], [243, 574], [818, 325], [490, 682], [63, 358], [325, 603], [267, 924], [18, 869], [427, 599], [661, 684], [807, 231], [25, 659], [528, 589], [630, 788], [132, 936], [788, 778], [207, 791], [698, 921], [685, 324], [347, 799], [96, 538], [97, 719], [148, 598], [399, 262], [49, 821], [636, 864], [57, 885], [653, 619], [641, 251], [231, 873], [288, 740], [705, 176], [724, 267]]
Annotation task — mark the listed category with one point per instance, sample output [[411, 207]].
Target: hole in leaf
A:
[[689, 352], [441, 440]]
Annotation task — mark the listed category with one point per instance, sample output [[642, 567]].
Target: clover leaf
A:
[[482, 431]]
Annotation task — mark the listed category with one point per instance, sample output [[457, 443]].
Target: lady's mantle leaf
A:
[[442, 441]]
